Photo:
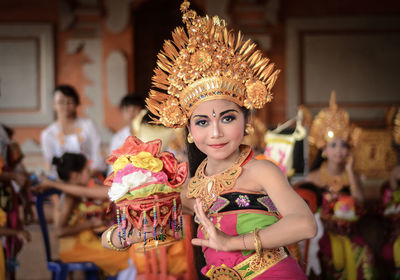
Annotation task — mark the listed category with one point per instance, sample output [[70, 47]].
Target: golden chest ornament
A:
[[334, 182], [208, 188]]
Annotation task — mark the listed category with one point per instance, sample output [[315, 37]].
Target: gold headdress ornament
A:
[[207, 63], [331, 123], [396, 127]]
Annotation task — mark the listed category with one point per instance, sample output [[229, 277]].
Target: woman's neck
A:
[[65, 121], [215, 166], [334, 168]]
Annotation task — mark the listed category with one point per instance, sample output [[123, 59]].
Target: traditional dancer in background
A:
[[344, 251]]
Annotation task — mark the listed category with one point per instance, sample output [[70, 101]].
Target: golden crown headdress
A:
[[331, 123], [208, 62]]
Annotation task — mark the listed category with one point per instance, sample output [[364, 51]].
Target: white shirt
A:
[[119, 138], [85, 140]]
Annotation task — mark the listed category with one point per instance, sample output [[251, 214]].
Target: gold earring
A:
[[249, 130], [190, 138]]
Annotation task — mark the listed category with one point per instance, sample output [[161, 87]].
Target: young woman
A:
[[69, 133], [332, 133], [81, 220], [246, 209], [333, 172]]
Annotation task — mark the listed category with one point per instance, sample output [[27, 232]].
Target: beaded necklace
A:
[[208, 188]]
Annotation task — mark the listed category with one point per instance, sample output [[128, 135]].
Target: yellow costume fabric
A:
[[348, 257], [3, 220], [86, 247], [396, 252], [176, 259]]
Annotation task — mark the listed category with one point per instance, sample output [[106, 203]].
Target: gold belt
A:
[[250, 267]]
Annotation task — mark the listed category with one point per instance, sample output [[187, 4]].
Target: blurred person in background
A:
[[70, 133]]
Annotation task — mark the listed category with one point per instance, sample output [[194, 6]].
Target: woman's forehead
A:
[[337, 140], [216, 106]]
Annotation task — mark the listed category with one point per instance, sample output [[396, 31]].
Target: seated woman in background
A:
[[81, 219], [334, 136]]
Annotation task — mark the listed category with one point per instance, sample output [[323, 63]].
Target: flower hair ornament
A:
[[205, 62], [145, 186], [330, 123]]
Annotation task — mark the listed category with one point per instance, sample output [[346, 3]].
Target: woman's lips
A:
[[218, 146]]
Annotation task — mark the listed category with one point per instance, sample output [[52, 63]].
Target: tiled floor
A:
[[32, 259]]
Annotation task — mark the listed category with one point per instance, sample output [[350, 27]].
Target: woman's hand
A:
[[216, 238], [24, 236], [44, 184], [350, 164]]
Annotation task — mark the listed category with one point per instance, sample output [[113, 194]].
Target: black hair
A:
[[67, 163], [131, 99], [317, 161], [195, 156], [8, 130], [69, 91]]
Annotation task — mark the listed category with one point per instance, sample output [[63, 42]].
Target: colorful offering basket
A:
[[145, 186]]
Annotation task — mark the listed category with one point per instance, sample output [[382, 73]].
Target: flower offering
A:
[[145, 186]]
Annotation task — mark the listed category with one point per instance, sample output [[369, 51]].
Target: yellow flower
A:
[[120, 163], [146, 160]]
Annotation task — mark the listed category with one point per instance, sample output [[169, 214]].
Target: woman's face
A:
[[84, 176], [64, 105], [217, 127], [337, 150]]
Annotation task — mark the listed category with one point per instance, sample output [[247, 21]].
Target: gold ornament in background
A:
[[256, 139], [331, 123], [206, 62], [396, 127], [375, 156]]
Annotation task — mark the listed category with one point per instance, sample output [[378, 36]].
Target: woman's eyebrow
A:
[[220, 114], [228, 111], [200, 116]]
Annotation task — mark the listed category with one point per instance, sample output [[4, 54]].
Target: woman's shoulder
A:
[[264, 165], [50, 129], [83, 121], [314, 177]]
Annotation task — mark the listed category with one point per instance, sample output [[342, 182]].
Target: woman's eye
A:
[[201, 123], [228, 119], [345, 145]]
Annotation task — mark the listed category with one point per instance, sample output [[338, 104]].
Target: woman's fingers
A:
[[200, 242]]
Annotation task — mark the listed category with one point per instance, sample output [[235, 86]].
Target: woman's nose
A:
[[216, 130]]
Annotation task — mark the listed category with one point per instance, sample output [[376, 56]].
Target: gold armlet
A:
[[257, 242], [109, 234]]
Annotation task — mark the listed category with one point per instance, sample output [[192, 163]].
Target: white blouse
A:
[[85, 140]]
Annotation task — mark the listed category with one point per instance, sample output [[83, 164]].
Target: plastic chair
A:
[[58, 268]]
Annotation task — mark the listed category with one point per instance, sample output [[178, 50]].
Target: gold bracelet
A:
[[257, 243], [244, 243], [109, 234]]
